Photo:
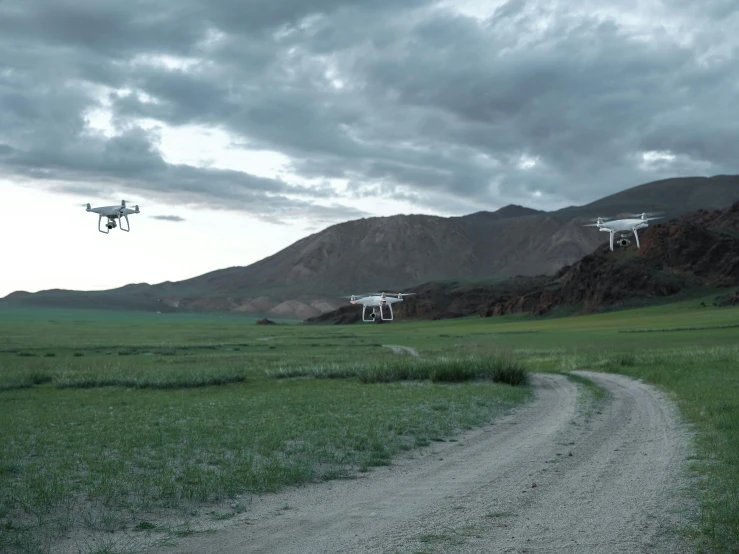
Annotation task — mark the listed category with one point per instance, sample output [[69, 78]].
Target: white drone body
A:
[[377, 301], [623, 227], [112, 213]]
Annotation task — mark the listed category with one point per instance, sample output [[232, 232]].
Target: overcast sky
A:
[[240, 126]]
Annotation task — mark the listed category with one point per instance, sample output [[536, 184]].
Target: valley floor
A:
[[573, 471]]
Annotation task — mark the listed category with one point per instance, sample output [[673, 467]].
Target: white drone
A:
[[623, 227], [376, 301], [113, 213]]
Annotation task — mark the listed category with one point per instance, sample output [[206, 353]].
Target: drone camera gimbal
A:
[[377, 315]]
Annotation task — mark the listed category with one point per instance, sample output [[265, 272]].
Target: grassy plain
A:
[[114, 421], [128, 416]]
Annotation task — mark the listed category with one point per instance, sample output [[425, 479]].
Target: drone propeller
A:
[[385, 294], [597, 221], [124, 204], [647, 214]]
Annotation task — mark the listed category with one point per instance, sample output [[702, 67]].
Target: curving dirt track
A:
[[619, 491]]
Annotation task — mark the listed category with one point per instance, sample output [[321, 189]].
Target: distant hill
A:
[[674, 196], [693, 251], [397, 252]]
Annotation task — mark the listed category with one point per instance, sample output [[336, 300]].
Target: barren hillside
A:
[[398, 252]]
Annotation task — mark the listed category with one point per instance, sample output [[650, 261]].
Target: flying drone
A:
[[623, 227], [113, 213], [377, 301]]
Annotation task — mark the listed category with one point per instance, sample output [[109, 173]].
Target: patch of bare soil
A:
[[400, 349]]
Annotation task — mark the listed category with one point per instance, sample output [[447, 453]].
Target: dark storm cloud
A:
[[115, 29], [535, 105], [132, 158], [174, 218]]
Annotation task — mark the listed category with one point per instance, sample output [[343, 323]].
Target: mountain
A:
[[397, 252], [693, 251]]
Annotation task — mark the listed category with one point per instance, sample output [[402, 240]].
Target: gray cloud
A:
[[174, 218], [535, 105]]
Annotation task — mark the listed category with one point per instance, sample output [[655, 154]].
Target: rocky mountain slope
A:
[[694, 250], [306, 278]]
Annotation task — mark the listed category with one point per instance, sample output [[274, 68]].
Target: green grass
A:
[[133, 419], [592, 396], [142, 415]]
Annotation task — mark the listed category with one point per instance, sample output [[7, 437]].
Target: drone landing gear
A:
[[111, 224], [623, 240], [377, 315], [128, 224]]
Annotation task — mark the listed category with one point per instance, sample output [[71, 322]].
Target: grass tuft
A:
[[497, 368], [167, 381]]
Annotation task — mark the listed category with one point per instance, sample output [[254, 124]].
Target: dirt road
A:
[[606, 480]]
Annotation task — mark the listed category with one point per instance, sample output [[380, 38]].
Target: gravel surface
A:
[[558, 474]]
